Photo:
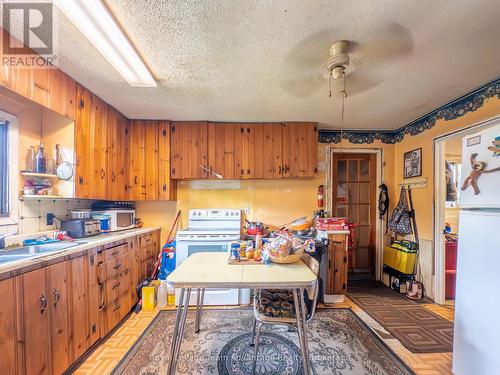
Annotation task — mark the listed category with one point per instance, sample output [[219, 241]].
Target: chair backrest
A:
[[312, 293]]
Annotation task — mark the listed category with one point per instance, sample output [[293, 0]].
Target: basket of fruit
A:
[[284, 248]]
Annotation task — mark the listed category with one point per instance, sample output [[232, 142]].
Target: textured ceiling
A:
[[249, 60]]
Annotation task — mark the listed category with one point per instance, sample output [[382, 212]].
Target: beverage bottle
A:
[[40, 160]]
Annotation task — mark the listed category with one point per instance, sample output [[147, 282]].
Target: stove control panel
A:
[[215, 214]]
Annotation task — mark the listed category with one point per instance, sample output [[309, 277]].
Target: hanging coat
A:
[[400, 221]]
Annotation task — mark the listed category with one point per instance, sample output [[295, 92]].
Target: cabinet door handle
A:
[[248, 171], [80, 180], [135, 180], [279, 169], [43, 303], [57, 297], [242, 171], [164, 187], [103, 174], [113, 176]]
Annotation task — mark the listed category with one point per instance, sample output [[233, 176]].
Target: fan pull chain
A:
[[344, 95], [330, 84]]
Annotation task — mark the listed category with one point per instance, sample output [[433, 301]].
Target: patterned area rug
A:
[[340, 344], [417, 328]]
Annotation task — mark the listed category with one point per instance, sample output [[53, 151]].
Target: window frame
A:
[[13, 166]]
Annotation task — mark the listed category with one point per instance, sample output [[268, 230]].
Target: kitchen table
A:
[[211, 270]]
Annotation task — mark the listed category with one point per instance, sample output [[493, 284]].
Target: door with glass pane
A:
[[354, 196]]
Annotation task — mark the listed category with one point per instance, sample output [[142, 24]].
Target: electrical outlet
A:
[[50, 218], [246, 210]]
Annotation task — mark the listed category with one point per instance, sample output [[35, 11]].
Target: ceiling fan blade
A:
[[394, 41]]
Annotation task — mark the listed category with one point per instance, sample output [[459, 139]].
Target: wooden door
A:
[[221, 150], [84, 128], [245, 146], [354, 196], [79, 307], [8, 320], [300, 149], [151, 160], [55, 91], [40, 86], [94, 297], [268, 150], [100, 110], [166, 188], [118, 153], [137, 152], [188, 150], [59, 298], [35, 319], [68, 96]]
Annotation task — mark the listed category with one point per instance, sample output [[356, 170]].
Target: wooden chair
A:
[[276, 306]]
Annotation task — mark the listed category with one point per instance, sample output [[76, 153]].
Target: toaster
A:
[[78, 228]]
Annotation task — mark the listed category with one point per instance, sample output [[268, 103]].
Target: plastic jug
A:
[[162, 295], [171, 294]]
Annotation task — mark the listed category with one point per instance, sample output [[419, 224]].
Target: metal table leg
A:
[[297, 298], [177, 348], [173, 343], [200, 296], [304, 330]]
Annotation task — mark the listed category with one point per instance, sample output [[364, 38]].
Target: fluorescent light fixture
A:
[[94, 21]]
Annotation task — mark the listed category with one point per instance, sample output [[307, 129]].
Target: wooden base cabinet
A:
[[51, 316], [45, 320], [8, 321], [336, 276]]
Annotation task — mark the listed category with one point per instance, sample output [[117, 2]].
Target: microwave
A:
[[119, 219]]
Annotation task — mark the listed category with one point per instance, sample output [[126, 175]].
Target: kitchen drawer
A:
[[114, 252], [145, 240], [112, 268]]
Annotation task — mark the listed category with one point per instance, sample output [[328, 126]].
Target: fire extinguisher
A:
[[321, 196]]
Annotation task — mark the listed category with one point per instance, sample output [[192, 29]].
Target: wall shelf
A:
[[38, 175], [41, 197]]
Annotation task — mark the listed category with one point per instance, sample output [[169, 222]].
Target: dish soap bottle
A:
[[40, 160]]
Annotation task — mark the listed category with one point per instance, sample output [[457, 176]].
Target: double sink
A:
[[26, 252]]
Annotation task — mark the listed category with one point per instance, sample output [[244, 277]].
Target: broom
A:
[[145, 282]]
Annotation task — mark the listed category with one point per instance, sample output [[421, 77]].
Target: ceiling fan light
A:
[[338, 72]]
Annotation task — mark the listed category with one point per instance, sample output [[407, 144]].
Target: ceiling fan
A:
[[317, 58]]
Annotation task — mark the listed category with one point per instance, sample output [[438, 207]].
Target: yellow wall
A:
[[423, 198], [273, 202], [280, 201]]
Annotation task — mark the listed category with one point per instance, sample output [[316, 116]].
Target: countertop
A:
[[43, 260]]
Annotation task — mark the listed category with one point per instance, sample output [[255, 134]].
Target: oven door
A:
[[216, 296]]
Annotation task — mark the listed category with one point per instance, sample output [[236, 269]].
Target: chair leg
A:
[[257, 338], [252, 339]]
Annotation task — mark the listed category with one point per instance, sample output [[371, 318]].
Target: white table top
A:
[[211, 270]]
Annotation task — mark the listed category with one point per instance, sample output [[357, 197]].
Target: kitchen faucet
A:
[[2, 239]]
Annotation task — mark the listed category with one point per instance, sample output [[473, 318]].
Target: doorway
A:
[[447, 167], [354, 189]]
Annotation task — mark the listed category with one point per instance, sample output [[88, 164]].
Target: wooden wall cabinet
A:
[[300, 149], [222, 150], [188, 150], [166, 187], [244, 150], [117, 155]]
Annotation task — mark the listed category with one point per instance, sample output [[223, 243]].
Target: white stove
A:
[[211, 230]]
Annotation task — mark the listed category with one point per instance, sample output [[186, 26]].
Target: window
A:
[[4, 168]]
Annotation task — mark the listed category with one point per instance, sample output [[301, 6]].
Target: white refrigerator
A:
[[476, 345]]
